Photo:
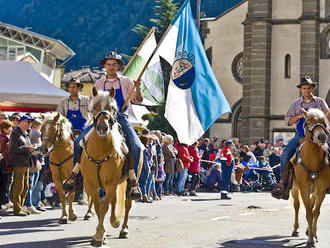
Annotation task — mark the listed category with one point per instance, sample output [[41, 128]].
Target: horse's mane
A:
[[117, 140], [315, 113], [66, 124], [104, 99]]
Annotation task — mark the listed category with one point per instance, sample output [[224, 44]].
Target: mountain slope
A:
[[91, 27]]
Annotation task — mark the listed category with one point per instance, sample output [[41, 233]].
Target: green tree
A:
[[164, 11]]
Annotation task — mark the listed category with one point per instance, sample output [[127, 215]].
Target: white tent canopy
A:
[[21, 84]]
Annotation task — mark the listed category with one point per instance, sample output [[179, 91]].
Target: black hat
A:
[[112, 55], [76, 81], [306, 80]]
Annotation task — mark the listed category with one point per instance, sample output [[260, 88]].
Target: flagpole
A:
[[143, 70], [152, 55], [139, 48], [198, 14]]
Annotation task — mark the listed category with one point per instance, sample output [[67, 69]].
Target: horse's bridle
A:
[[57, 131], [113, 119], [310, 130]]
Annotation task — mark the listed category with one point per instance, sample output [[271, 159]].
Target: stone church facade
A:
[[258, 50]]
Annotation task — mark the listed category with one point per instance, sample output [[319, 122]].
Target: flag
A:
[[194, 99], [152, 86]]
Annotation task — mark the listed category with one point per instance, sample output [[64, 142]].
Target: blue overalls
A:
[[75, 117], [292, 146], [132, 140]]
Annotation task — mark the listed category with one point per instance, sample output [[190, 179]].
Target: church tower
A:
[[257, 71]]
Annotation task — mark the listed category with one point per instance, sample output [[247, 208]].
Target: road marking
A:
[[271, 210], [221, 218], [246, 214]]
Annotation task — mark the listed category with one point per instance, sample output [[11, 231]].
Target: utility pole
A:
[[198, 14]]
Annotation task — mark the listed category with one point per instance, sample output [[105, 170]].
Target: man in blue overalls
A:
[[75, 106], [122, 85], [295, 116], [75, 109]]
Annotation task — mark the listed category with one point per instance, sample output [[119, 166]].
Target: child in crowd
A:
[[213, 180], [161, 175]]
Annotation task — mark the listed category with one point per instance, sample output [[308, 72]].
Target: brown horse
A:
[[311, 172], [57, 142], [102, 164]]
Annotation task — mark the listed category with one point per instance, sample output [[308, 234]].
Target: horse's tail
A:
[[121, 197]]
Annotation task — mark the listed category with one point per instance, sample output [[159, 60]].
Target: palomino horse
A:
[[57, 142], [311, 172], [102, 164]]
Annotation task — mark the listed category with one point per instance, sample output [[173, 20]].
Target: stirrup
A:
[[280, 192], [69, 184], [133, 191]]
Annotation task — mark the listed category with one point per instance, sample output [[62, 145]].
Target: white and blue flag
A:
[[194, 100]]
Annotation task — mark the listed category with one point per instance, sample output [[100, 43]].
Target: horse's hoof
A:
[[295, 234], [115, 223], [87, 216], [73, 217], [63, 220], [96, 243], [123, 233], [310, 244]]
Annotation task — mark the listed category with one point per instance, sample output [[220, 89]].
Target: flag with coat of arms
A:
[[194, 99]]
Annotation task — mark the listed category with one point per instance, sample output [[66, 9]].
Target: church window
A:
[[327, 8], [237, 67], [325, 43], [287, 69]]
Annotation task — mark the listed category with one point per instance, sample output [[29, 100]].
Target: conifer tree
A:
[[164, 11]]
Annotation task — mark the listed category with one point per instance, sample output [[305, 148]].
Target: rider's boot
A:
[[281, 190], [133, 190], [70, 184]]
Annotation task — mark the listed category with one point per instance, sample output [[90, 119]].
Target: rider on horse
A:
[[295, 116], [75, 106], [122, 85]]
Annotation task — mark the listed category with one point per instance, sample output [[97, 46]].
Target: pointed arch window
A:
[[287, 69]]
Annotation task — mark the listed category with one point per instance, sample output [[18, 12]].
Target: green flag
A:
[[152, 86]]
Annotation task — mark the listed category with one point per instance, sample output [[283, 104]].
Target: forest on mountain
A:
[[92, 27]]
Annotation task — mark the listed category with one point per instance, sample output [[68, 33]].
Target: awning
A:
[[23, 89]]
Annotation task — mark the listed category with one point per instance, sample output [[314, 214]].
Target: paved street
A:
[[250, 220]]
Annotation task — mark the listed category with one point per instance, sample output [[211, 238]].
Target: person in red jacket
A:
[[194, 169], [227, 162], [184, 156], [7, 177]]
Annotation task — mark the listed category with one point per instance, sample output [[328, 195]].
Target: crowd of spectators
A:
[[170, 167], [181, 170]]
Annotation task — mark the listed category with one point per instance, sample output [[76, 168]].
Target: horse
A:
[[57, 142], [102, 161], [311, 172]]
